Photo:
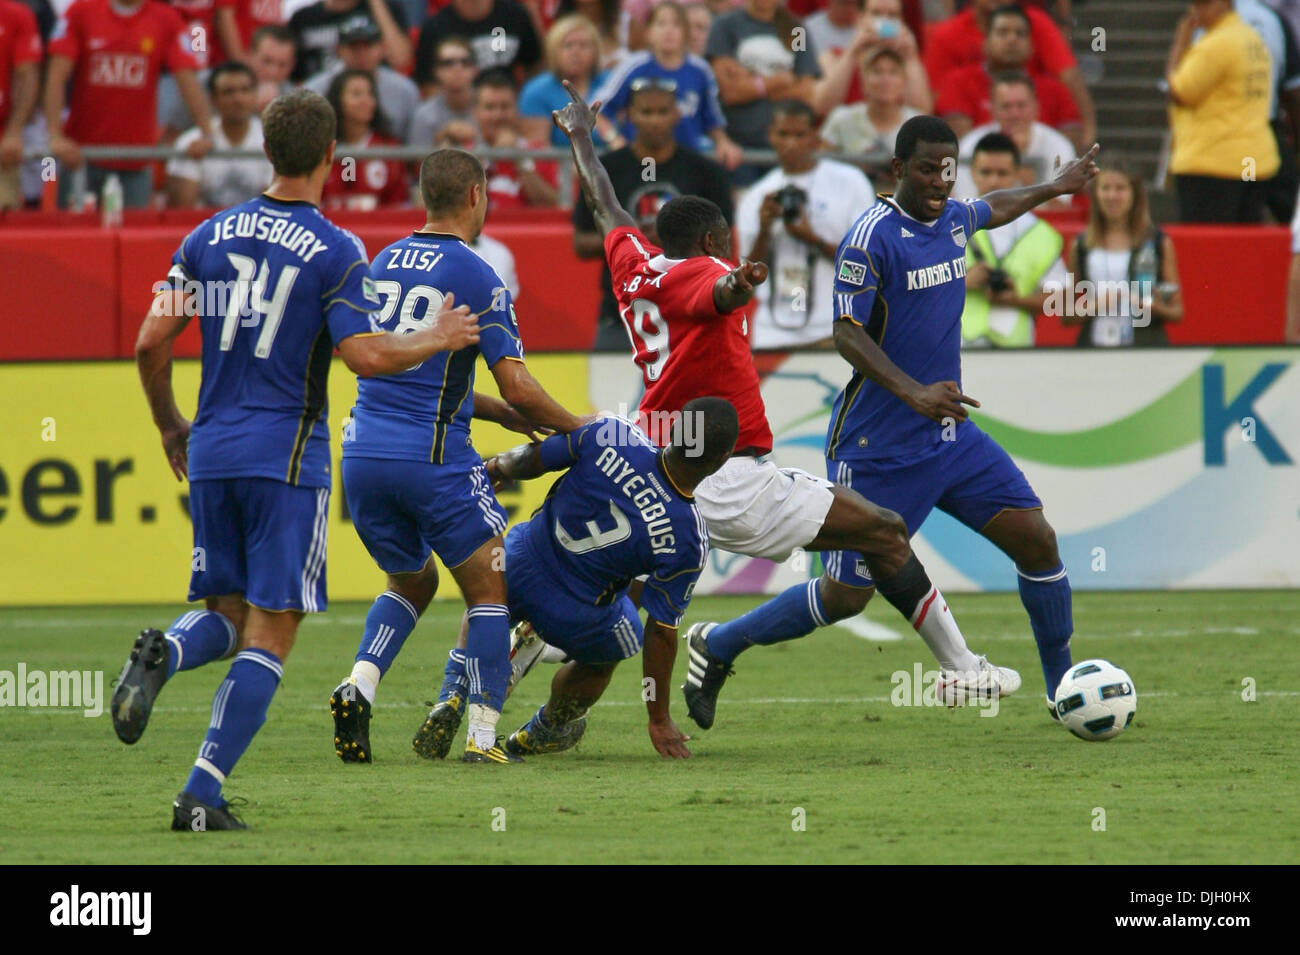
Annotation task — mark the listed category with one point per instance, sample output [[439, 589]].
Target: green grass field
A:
[[1201, 777]]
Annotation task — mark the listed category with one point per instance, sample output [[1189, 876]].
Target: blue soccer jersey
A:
[[423, 414], [275, 286], [904, 281], [615, 515]]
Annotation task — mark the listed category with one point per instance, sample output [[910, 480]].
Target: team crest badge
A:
[[959, 236], [854, 273]]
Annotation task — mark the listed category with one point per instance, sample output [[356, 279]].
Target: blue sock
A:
[[487, 654], [455, 681], [1046, 596], [795, 613], [238, 712], [389, 622], [198, 637]]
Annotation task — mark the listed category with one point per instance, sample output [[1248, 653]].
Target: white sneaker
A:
[[528, 649], [957, 688]]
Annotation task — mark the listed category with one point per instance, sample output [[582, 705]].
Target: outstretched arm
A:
[[657, 657], [576, 120], [735, 289], [1010, 204]]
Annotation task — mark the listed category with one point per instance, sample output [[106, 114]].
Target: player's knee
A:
[[841, 602], [418, 588], [885, 545], [1041, 552]]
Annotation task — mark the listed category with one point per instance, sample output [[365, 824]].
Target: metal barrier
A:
[[562, 157]]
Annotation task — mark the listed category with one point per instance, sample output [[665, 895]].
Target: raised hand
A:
[[577, 116], [1076, 175]]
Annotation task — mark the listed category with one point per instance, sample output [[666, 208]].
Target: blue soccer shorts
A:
[[261, 538], [404, 510], [971, 478], [586, 632]]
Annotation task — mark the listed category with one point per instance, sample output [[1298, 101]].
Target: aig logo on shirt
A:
[[121, 70]]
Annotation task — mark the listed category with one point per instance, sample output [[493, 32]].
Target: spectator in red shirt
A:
[[959, 42], [512, 184], [113, 53], [20, 57], [204, 42], [362, 184], [966, 98], [237, 20]]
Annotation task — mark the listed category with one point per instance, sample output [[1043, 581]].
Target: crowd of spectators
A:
[[684, 86]]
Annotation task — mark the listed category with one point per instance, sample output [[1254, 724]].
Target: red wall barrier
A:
[[72, 290]]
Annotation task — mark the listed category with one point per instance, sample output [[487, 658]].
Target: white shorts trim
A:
[[755, 508]]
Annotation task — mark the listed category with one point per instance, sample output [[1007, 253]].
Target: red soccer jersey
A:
[[200, 24], [20, 42], [251, 14], [958, 42], [116, 62], [969, 91], [505, 191], [686, 348], [363, 185]]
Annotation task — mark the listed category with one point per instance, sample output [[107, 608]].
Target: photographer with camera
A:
[[1006, 267], [793, 219]]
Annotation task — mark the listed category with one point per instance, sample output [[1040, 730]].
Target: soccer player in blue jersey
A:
[[623, 508], [276, 287], [415, 485], [900, 433]]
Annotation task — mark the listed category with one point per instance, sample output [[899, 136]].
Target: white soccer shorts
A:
[[755, 508]]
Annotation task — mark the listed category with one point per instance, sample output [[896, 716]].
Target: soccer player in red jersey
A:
[[20, 80], [683, 307], [114, 51]]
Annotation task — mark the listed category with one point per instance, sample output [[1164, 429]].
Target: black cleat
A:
[[137, 687], [190, 815], [351, 712], [438, 731], [705, 675], [1051, 711]]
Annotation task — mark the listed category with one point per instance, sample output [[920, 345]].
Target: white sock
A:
[[938, 628], [553, 655], [483, 726], [367, 676]]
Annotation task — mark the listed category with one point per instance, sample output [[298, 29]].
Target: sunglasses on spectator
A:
[[455, 61], [653, 83]]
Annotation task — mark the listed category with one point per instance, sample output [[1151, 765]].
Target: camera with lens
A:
[[999, 281], [792, 200]]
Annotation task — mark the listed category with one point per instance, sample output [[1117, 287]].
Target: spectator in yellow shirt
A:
[[1223, 146]]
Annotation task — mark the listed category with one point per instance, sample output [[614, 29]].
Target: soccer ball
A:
[[1096, 700]]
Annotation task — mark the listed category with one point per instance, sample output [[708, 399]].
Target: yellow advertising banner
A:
[[91, 514]]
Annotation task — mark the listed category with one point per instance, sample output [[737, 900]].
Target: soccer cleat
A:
[[1051, 710], [190, 815], [494, 755], [987, 682], [137, 687], [526, 647], [434, 737], [351, 712], [705, 675], [536, 737]]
